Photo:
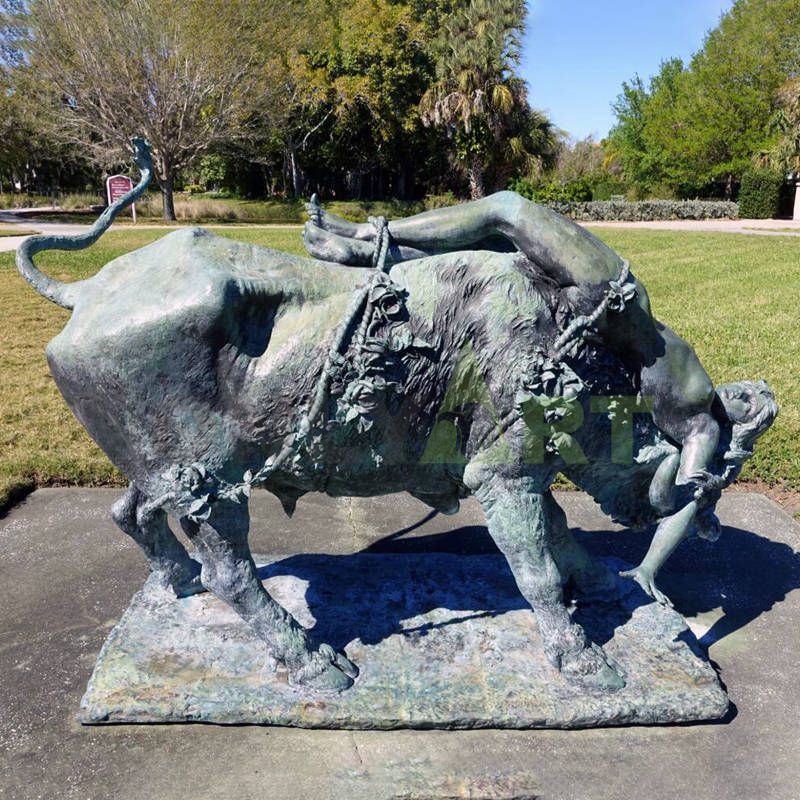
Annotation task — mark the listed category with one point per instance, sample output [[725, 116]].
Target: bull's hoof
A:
[[589, 667], [186, 581], [326, 671], [182, 579]]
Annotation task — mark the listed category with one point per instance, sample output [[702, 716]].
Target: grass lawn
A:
[[734, 297], [206, 209]]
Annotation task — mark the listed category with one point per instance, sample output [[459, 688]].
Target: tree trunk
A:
[[729, 188], [167, 187], [298, 179], [475, 178], [353, 182]]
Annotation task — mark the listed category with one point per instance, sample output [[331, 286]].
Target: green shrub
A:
[[760, 194], [569, 199], [193, 188], [439, 200], [646, 210], [576, 191], [606, 186]]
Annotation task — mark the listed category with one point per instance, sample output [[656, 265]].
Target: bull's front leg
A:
[[228, 570], [517, 518]]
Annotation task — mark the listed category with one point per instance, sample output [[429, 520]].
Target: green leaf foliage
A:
[[695, 129], [759, 197]]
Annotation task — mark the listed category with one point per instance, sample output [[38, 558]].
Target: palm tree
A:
[[787, 121], [476, 91], [783, 151]]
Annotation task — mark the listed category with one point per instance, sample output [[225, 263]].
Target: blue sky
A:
[[577, 53]]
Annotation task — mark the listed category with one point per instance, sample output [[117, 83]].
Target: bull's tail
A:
[[66, 294]]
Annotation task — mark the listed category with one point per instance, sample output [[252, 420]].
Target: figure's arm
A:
[[670, 533], [662, 486]]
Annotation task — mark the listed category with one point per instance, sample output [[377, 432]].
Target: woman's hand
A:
[[645, 578]]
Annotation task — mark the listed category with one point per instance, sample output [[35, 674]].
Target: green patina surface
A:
[[443, 641], [732, 296]]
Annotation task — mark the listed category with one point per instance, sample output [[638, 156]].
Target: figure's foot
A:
[[328, 246], [590, 667], [647, 581], [326, 670], [332, 223]]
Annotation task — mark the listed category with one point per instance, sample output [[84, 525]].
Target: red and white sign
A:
[[116, 187]]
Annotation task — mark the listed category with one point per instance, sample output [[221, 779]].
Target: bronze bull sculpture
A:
[[204, 367]]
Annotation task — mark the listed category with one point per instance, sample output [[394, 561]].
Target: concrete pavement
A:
[[8, 243], [67, 574]]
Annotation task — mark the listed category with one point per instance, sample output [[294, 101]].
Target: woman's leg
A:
[[328, 246], [569, 254]]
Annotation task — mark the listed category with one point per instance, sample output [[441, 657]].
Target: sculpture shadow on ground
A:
[[743, 575]]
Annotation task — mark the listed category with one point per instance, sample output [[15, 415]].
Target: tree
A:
[[784, 153], [356, 94], [476, 91], [700, 126], [106, 70], [647, 139], [729, 94], [626, 139]]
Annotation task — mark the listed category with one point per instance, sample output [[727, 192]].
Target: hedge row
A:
[[646, 210], [760, 195]]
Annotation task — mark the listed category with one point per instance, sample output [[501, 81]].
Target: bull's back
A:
[[158, 358]]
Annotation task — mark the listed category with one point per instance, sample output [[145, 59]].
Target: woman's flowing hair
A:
[[744, 434]]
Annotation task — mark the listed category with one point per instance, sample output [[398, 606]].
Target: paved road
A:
[[68, 573], [757, 227]]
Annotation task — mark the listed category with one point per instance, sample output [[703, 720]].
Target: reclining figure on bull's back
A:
[[599, 296], [205, 367]]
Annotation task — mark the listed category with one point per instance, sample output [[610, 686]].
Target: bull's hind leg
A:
[[517, 518], [590, 578], [147, 525], [230, 573]]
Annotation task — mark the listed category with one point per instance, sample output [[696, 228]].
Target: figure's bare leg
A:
[[328, 246], [337, 225], [517, 519], [564, 250], [148, 527], [230, 573], [567, 252]]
